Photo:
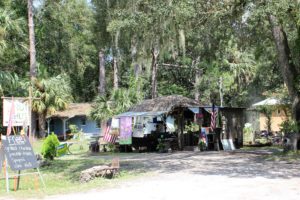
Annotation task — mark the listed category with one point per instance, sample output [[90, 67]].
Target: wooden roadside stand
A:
[[15, 150]]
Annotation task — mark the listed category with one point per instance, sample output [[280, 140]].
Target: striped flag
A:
[[214, 113], [11, 115], [111, 138]]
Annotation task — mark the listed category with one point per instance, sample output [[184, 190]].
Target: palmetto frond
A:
[[53, 93]]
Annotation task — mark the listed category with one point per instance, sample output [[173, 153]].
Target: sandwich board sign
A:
[[18, 152]]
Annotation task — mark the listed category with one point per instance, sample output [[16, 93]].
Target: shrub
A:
[[289, 126], [111, 147], [49, 146]]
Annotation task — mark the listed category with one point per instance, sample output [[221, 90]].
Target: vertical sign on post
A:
[[21, 113]]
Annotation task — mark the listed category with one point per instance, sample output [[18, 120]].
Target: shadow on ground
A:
[[239, 164]]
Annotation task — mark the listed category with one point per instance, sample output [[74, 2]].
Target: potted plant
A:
[[201, 145], [161, 146]]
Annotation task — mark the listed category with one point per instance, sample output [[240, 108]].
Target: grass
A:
[[62, 176], [277, 153], [291, 156]]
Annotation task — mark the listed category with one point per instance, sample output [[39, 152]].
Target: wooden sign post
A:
[[19, 156]]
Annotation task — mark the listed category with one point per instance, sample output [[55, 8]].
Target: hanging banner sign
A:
[[21, 112], [125, 130], [18, 152]]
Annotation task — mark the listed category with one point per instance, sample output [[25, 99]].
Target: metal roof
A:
[[135, 114]]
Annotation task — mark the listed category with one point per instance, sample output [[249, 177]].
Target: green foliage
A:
[[161, 145], [248, 134], [73, 128], [49, 146], [79, 142], [119, 101], [228, 39], [267, 111], [289, 126], [111, 147], [201, 145], [52, 94], [77, 134], [193, 127]]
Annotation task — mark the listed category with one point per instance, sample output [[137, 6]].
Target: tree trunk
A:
[[136, 66], [42, 124], [101, 73], [116, 80], [180, 130], [155, 53], [32, 57], [32, 50], [287, 67], [116, 54], [197, 78]]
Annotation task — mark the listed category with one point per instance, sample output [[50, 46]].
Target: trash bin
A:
[[94, 146]]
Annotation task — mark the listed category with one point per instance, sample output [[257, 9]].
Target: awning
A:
[[194, 109], [135, 114], [268, 102]]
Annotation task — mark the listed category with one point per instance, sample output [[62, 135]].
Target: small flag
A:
[[11, 115], [214, 113], [111, 138]]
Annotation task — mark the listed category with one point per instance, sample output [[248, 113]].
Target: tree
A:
[[120, 100], [13, 37], [65, 44], [102, 80], [281, 17], [287, 66], [32, 51], [52, 94]]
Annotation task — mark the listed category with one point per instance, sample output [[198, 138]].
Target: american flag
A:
[[11, 115], [111, 138], [214, 113]]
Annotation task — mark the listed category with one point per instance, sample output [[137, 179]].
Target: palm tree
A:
[[50, 95], [102, 108], [120, 100]]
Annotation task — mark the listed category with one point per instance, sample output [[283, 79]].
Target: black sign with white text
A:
[[18, 152]]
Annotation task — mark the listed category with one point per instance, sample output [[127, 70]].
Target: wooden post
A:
[[30, 114], [41, 177], [48, 124], [19, 177], [64, 128], [36, 182], [180, 130], [6, 176], [221, 90], [15, 183]]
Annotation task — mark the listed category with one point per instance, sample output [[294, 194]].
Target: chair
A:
[[114, 167]]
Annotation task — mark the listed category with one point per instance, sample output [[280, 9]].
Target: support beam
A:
[[64, 128], [48, 126]]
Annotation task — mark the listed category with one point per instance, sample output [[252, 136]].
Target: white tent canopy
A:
[[268, 102]]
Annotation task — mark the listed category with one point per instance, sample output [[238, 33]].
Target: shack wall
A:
[[235, 121]]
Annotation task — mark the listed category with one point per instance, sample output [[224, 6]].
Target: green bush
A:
[[289, 126], [49, 146]]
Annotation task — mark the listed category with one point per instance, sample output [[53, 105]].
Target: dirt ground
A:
[[236, 175]]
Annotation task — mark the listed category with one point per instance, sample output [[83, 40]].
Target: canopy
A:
[[268, 102], [194, 109]]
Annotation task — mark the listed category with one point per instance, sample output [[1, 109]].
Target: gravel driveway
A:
[[208, 175]]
